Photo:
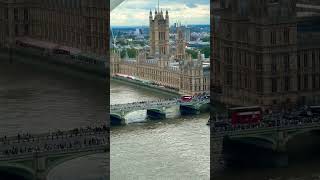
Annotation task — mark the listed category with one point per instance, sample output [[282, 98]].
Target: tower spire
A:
[[158, 5]]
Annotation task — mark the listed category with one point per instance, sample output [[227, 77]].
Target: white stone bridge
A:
[[155, 109], [274, 138], [33, 156]]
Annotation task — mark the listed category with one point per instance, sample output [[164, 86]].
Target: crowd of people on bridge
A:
[[295, 117], [143, 104], [159, 102], [46, 147], [58, 140]]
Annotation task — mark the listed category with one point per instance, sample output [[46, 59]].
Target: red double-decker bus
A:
[[245, 115], [186, 98]]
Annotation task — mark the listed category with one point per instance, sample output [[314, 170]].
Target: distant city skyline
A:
[[136, 12]]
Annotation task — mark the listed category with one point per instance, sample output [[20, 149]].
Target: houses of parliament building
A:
[[265, 52], [163, 65]]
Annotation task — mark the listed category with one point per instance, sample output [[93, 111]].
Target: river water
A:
[[176, 148], [304, 163], [36, 99]]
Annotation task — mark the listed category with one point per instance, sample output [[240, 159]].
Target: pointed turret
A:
[[150, 16], [167, 17], [199, 55]]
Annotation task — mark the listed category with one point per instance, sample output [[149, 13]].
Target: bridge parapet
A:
[[262, 130], [29, 155], [154, 105], [52, 135], [51, 143], [278, 136]]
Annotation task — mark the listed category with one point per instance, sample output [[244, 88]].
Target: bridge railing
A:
[[257, 130], [56, 134], [47, 137], [28, 155], [152, 104]]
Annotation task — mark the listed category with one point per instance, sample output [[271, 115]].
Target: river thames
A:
[[176, 148], [37, 99]]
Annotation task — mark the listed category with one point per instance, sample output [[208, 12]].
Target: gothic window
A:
[[16, 29], [273, 63], [228, 31], [15, 11], [6, 13], [286, 83], [273, 37], [299, 81], [88, 41], [274, 85], [298, 61], [305, 60], [229, 78], [259, 84], [313, 61], [258, 62], [286, 35], [258, 36], [318, 81], [26, 14], [305, 81], [88, 24], [286, 63], [313, 82], [26, 29]]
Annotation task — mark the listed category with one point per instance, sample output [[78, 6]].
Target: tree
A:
[[132, 53], [206, 39], [193, 53], [206, 51]]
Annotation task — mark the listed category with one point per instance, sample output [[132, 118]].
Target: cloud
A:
[[191, 5], [136, 12]]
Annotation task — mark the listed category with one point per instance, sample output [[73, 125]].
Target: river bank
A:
[[169, 92]]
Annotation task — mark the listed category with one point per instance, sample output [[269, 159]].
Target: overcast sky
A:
[[136, 12]]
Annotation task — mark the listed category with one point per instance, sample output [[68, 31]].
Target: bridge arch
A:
[[54, 162], [259, 141], [19, 170], [294, 134]]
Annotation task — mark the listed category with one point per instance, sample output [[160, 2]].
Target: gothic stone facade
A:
[[188, 78], [258, 58], [74, 23]]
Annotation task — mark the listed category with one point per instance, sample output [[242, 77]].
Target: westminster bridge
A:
[[33, 156], [272, 134], [157, 109]]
